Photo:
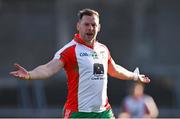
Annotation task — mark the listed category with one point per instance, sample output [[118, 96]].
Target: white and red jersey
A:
[[86, 69]]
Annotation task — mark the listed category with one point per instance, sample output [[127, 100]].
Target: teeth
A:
[[89, 33]]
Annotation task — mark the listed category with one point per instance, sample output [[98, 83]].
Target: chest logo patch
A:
[[85, 54]]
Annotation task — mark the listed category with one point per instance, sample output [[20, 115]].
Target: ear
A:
[[77, 26], [99, 28]]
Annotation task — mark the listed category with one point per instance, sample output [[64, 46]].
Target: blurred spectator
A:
[[138, 104]]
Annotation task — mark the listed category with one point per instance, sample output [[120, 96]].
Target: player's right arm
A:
[[41, 72]]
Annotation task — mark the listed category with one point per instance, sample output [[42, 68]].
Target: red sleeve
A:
[[62, 59], [67, 55]]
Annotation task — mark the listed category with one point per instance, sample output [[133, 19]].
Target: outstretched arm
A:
[[119, 72], [41, 72]]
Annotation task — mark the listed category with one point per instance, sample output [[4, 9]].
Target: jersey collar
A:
[[78, 39]]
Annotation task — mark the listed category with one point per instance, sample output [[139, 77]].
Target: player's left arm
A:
[[120, 72]]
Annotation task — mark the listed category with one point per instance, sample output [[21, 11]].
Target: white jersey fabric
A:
[[86, 68]]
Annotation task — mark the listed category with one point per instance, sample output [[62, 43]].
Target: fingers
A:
[[20, 69], [147, 80], [18, 66], [144, 79], [18, 75], [14, 73]]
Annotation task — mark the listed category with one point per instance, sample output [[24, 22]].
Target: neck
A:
[[89, 42], [85, 42]]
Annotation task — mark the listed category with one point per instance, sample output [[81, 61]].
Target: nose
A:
[[90, 27]]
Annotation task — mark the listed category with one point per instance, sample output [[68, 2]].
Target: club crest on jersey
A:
[[94, 55]]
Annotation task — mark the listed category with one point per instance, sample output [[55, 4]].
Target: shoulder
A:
[[66, 48], [102, 45]]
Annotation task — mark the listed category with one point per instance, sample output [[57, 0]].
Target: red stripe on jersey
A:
[[107, 105], [68, 56]]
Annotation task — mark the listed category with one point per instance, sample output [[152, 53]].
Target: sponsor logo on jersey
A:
[[98, 71], [85, 54]]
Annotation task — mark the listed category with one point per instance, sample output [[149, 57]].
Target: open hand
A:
[[143, 78], [21, 72]]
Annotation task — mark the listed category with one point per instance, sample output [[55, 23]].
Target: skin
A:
[[88, 28]]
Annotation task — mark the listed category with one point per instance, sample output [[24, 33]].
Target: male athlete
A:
[[87, 63]]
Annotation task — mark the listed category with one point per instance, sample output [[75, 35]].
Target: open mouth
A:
[[89, 34]]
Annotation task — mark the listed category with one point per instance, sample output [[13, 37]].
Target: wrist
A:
[[28, 77], [135, 77]]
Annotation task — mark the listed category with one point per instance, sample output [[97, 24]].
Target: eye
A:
[[86, 24], [94, 25]]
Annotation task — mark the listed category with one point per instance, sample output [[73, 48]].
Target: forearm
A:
[[122, 73], [47, 70], [40, 72], [119, 72]]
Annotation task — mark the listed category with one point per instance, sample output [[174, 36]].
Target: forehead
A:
[[90, 19]]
